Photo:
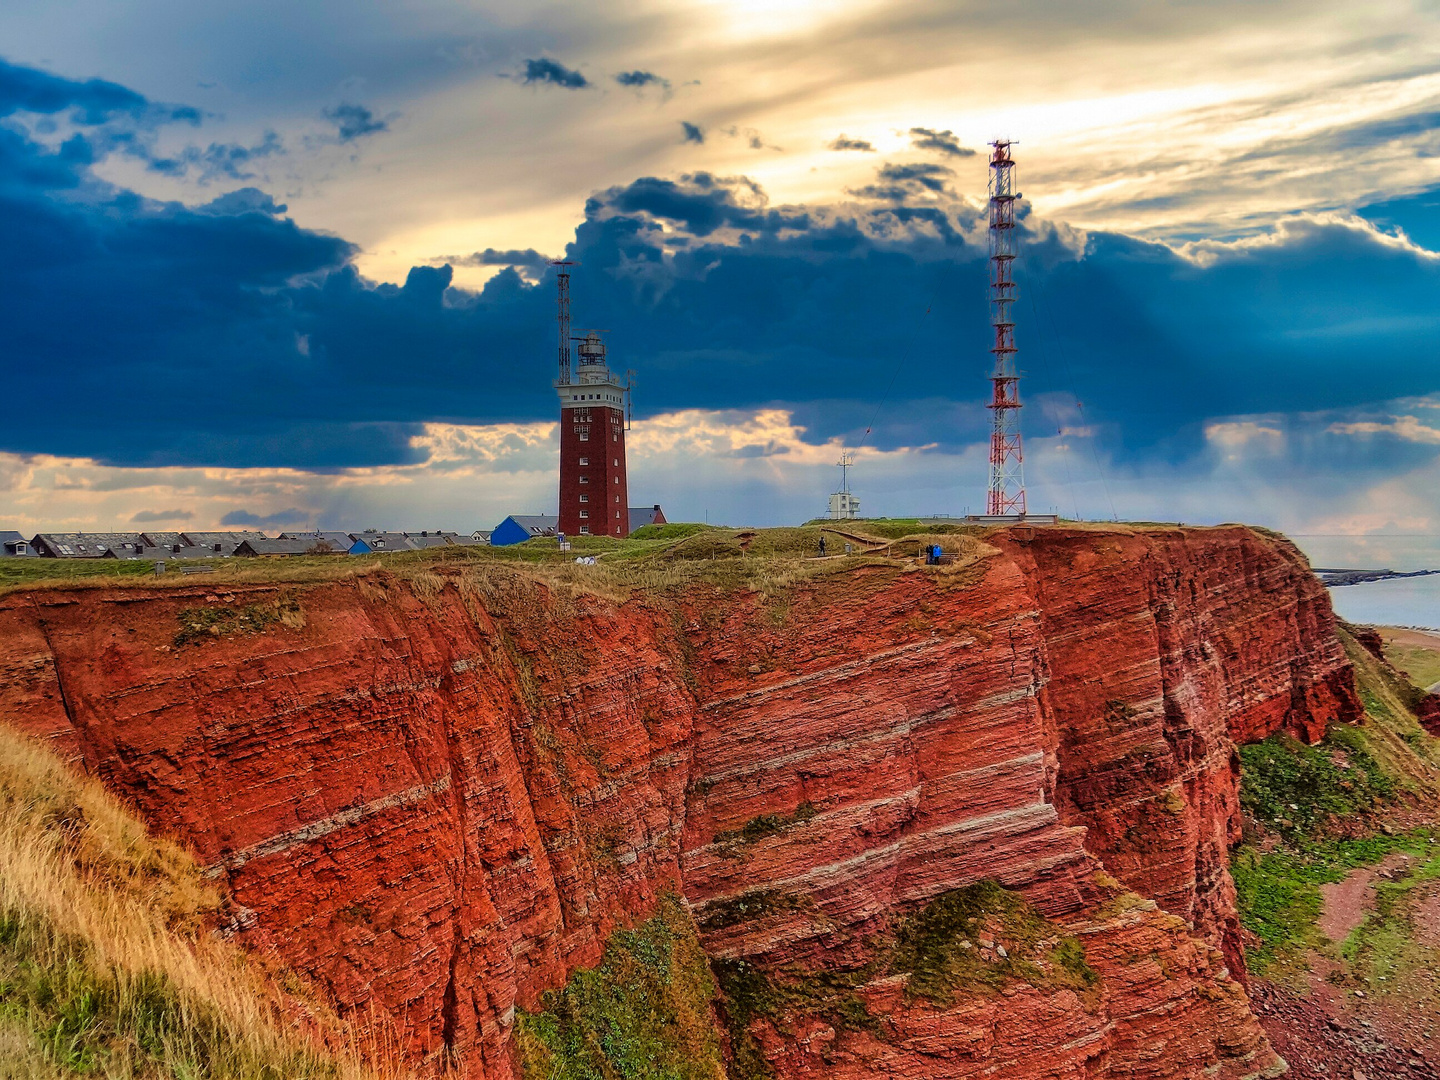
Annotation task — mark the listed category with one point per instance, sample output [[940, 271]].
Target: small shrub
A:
[[755, 904], [197, 624], [757, 828]]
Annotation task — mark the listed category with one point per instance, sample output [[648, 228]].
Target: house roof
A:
[[385, 541], [11, 541], [226, 540], [191, 552], [276, 547], [428, 539], [643, 515], [536, 524], [91, 545], [162, 539], [337, 540]]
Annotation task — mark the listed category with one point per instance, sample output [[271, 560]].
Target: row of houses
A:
[[161, 546]]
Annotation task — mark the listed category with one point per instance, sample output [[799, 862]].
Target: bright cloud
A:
[[1409, 428]]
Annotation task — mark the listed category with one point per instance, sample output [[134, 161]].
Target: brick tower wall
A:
[[592, 465]]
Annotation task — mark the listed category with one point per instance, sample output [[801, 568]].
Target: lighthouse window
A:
[[617, 462], [617, 498], [584, 498], [584, 479], [584, 513], [584, 461], [584, 530], [584, 436]]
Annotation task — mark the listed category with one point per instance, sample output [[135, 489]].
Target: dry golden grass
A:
[[108, 961]]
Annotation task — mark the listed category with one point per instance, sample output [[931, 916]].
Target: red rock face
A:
[[439, 801], [1166, 654]]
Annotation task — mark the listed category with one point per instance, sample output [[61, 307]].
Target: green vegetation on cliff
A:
[[1315, 814], [108, 965], [643, 1013], [966, 942], [943, 946]]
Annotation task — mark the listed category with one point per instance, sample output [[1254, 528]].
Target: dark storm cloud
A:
[[92, 102], [931, 215], [691, 132], [550, 71], [899, 182], [844, 142], [943, 141], [218, 160], [528, 258], [140, 332], [354, 121], [699, 203], [638, 80]]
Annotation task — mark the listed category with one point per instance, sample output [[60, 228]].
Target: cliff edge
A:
[[946, 821]]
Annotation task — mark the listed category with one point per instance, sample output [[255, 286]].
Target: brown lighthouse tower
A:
[[594, 499]]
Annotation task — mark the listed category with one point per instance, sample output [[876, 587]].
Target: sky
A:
[[284, 265]]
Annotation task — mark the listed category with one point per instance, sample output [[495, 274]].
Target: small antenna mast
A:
[[629, 398], [562, 280]]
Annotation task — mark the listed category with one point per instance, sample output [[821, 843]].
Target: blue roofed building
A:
[[517, 528]]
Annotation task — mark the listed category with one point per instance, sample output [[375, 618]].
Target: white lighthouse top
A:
[[596, 385]]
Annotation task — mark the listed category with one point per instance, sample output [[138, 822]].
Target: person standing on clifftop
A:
[[822, 547]]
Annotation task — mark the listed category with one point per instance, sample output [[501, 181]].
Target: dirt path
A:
[[1346, 903], [1426, 919], [1331, 1029]]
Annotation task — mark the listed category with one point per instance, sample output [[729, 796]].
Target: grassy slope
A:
[[1314, 814], [108, 966], [1416, 655]]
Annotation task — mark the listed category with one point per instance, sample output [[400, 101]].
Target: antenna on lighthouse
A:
[[562, 280], [1006, 494]]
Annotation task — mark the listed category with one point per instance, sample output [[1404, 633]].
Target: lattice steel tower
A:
[[562, 279], [1007, 458]]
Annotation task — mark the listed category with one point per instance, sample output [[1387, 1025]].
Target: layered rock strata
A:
[[437, 797]]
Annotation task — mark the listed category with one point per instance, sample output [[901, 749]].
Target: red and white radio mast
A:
[[1007, 459]]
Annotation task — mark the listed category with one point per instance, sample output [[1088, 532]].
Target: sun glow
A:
[[749, 19]]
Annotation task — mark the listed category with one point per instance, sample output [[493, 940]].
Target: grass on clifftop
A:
[[1318, 813], [655, 559], [642, 1014], [107, 964]]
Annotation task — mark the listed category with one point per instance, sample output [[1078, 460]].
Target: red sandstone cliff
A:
[[438, 799]]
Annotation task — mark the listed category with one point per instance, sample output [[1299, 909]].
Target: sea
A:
[[1396, 602]]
